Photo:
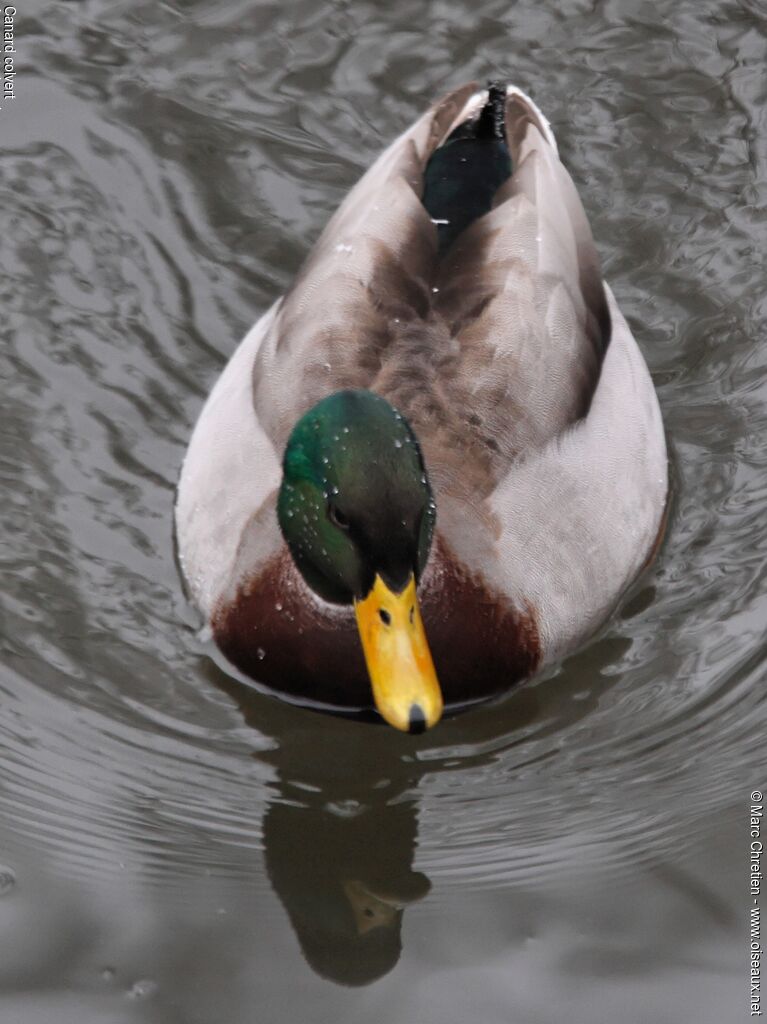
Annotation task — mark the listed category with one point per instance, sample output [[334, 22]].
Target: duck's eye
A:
[[337, 518]]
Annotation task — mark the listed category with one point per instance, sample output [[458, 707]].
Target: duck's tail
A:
[[465, 172]]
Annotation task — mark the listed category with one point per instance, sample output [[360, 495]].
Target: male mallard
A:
[[447, 398]]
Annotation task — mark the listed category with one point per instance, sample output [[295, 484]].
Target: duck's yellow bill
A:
[[400, 666]]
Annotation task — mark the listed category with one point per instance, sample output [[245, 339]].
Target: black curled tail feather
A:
[[490, 123], [465, 172]]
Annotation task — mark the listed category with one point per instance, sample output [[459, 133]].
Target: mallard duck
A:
[[436, 463]]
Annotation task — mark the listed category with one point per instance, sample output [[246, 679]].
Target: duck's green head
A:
[[357, 512]]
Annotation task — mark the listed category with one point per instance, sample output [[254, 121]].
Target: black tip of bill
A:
[[417, 720]]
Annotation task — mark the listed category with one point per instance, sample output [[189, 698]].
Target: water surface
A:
[[177, 849]]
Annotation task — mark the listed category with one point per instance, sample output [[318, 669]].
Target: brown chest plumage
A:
[[279, 634]]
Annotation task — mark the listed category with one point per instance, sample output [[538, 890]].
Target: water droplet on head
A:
[[278, 606], [398, 443], [260, 653]]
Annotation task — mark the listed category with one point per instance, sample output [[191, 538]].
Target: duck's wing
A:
[[522, 291], [369, 271], [578, 501]]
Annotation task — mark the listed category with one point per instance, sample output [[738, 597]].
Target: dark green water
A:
[[178, 850]]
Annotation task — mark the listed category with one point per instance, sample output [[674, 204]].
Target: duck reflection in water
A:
[[340, 835], [346, 892], [341, 830]]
